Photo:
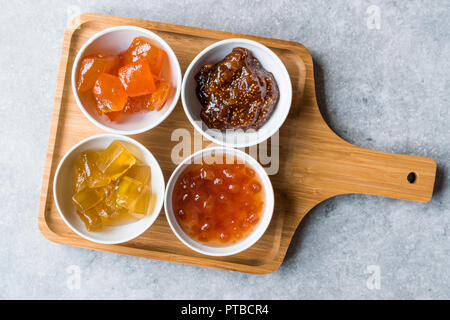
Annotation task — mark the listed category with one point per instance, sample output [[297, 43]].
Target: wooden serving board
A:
[[315, 164]]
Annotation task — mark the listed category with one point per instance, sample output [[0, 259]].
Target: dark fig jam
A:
[[236, 93]]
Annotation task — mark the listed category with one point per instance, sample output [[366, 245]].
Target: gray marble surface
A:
[[383, 88]]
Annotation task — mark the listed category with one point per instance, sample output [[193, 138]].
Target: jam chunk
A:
[[142, 203], [110, 207], [137, 79], [144, 49], [154, 101], [109, 93], [86, 173], [123, 217], [138, 104], [115, 160], [91, 219], [88, 198], [114, 115], [159, 97], [128, 192], [91, 67], [140, 172]]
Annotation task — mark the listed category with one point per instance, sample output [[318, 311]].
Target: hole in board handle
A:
[[411, 177]]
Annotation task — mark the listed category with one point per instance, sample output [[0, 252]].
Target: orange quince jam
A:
[[91, 67], [218, 204], [143, 48], [160, 95], [109, 93], [154, 101], [136, 80]]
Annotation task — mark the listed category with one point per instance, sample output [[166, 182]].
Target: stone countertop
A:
[[382, 72]]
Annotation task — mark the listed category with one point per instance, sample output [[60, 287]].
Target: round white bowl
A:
[[63, 190], [238, 246], [116, 40], [237, 138]]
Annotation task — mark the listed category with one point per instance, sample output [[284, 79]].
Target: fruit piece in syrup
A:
[[109, 93], [143, 48], [142, 203], [138, 104], [137, 78], [114, 115], [140, 172], [91, 67], [159, 97], [88, 198], [115, 160], [91, 219], [128, 191], [149, 102], [86, 173]]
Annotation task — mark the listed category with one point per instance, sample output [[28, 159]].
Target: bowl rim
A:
[[168, 50], [159, 202], [277, 61], [248, 241]]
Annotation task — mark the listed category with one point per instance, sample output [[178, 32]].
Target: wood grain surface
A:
[[315, 164]]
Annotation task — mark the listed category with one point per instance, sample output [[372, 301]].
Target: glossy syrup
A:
[[218, 204]]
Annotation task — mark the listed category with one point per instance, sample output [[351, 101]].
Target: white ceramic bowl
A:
[[244, 243], [269, 61], [63, 190], [116, 40]]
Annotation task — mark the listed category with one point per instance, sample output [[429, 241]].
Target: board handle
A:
[[384, 174]]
